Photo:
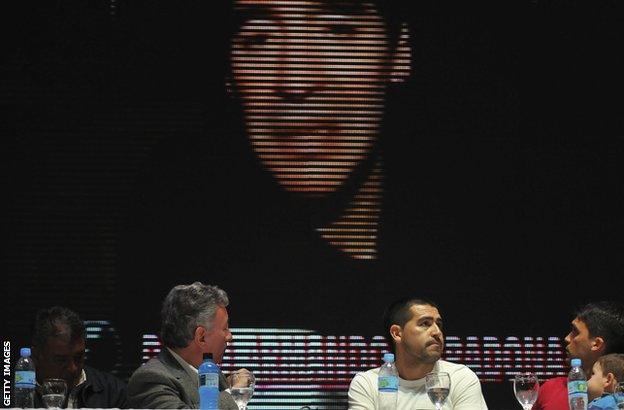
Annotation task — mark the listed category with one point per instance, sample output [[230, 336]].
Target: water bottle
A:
[[388, 383], [577, 387], [25, 380], [208, 384]]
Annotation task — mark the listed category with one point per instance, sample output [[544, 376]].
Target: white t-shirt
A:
[[465, 393]]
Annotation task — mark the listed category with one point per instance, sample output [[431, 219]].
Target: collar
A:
[[418, 383], [72, 398], [606, 401], [82, 380], [189, 369]]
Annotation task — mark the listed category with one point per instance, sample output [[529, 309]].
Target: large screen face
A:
[[312, 79]]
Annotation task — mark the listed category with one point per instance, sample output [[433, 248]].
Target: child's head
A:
[[607, 371]]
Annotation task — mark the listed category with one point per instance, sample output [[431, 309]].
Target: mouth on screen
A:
[[319, 141]]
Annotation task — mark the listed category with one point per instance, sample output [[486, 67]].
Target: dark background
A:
[[503, 197]]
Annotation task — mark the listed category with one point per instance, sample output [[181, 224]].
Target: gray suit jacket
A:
[[162, 383]]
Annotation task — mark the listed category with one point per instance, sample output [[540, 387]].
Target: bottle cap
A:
[[576, 362], [388, 358], [25, 352], [208, 356]]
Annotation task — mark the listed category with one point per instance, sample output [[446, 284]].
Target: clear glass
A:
[[618, 395], [438, 387], [53, 393], [526, 388], [242, 384]]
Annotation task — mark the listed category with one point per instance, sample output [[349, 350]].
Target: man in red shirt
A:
[[597, 329]]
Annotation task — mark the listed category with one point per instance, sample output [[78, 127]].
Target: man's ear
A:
[[396, 333], [200, 335], [401, 58], [598, 345]]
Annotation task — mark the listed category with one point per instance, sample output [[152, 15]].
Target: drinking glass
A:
[[526, 387], [53, 392], [242, 384], [618, 395], [438, 387]]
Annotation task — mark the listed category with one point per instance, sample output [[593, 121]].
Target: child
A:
[[607, 371]]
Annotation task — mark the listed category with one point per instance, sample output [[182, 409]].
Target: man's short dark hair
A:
[[57, 321], [605, 319], [398, 313]]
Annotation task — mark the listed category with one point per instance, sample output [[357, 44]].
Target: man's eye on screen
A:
[[254, 40]]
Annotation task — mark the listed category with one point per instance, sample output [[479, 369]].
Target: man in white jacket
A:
[[413, 328]]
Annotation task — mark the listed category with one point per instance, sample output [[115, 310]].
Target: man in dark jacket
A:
[[194, 322], [59, 352]]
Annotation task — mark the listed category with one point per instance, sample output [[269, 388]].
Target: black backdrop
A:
[[502, 199]]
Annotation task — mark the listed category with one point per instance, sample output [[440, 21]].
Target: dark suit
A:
[[162, 383]]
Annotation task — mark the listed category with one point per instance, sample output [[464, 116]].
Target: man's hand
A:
[[239, 378]]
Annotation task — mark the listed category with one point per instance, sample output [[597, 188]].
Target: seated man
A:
[[606, 373], [597, 329], [59, 352], [194, 322], [413, 328]]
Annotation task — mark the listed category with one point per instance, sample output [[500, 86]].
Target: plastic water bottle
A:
[[577, 387], [208, 384], [388, 384], [25, 380]]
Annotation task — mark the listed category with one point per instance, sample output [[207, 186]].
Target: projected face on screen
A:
[[312, 78]]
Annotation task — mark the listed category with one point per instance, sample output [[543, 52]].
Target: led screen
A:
[[315, 159]]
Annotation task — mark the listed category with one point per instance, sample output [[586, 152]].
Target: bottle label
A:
[[388, 383], [209, 380], [577, 387], [24, 379]]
